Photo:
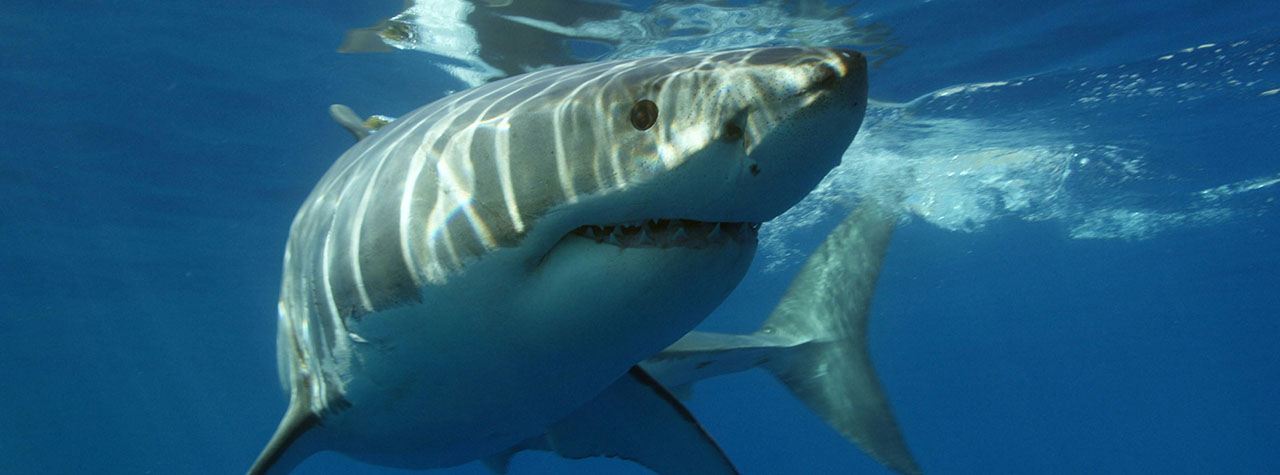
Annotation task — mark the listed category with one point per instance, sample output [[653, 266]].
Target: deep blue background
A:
[[154, 153]]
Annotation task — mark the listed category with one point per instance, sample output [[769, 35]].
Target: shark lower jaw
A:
[[668, 233]]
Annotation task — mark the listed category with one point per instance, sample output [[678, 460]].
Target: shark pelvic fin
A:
[[637, 419], [830, 369], [634, 419]]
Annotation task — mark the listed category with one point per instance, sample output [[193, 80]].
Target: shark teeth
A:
[[666, 233]]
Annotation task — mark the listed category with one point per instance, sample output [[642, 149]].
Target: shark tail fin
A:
[[825, 313]]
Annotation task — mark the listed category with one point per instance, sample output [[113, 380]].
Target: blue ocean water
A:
[[1084, 281]]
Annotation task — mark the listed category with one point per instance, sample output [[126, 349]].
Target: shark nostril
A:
[[826, 77], [644, 114]]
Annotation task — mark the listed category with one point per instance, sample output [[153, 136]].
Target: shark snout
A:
[[855, 64], [792, 143], [846, 70]]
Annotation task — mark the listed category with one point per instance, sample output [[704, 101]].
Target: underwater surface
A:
[[1084, 278]]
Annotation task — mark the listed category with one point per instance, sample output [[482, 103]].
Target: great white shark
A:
[[488, 270], [814, 341]]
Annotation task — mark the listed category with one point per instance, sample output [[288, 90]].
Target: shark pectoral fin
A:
[[683, 392], [497, 463], [284, 451], [639, 420]]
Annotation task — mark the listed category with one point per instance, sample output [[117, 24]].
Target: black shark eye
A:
[[732, 131], [644, 114]]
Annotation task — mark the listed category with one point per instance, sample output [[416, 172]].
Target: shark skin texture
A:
[[474, 274]]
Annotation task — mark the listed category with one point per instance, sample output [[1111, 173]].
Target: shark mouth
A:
[[666, 233]]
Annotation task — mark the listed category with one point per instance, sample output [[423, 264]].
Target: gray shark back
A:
[[407, 207], [394, 259]]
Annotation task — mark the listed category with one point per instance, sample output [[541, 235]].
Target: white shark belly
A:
[[493, 361]]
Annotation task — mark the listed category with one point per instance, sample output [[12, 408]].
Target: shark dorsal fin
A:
[[348, 119]]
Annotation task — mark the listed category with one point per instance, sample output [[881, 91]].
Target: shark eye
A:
[[644, 114]]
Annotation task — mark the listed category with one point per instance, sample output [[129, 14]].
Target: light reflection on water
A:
[[483, 40], [1053, 147]]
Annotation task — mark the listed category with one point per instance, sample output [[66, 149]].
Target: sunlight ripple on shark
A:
[[491, 267]]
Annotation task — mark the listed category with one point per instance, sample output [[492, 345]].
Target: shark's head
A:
[[731, 137], [666, 167], [539, 235]]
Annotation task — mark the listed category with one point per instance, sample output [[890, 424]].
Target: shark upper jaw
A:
[[666, 233]]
